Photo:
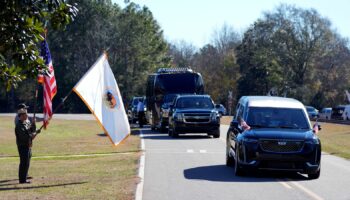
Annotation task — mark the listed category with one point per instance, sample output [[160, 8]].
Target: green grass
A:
[[110, 176], [335, 139]]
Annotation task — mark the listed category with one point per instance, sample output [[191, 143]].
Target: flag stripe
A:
[[49, 83]]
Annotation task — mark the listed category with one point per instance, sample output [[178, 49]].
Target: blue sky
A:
[[194, 21]]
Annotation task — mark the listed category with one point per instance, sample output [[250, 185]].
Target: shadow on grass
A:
[[9, 180], [39, 186], [102, 134]]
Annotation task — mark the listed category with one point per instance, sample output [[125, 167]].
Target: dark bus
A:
[[165, 85]]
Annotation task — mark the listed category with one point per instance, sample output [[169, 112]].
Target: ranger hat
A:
[[22, 111], [22, 105]]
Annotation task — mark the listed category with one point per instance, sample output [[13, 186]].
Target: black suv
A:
[[132, 109], [164, 111], [194, 114], [273, 133]]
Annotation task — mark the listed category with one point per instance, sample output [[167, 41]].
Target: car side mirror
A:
[[318, 128], [217, 105], [235, 127]]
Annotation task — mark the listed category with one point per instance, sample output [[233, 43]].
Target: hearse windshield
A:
[[289, 118]]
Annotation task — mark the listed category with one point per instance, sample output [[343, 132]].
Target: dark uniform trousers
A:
[[141, 118], [25, 154]]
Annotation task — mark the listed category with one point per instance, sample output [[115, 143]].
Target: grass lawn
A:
[[106, 172], [335, 138]]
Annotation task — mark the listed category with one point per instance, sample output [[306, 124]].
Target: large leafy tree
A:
[[22, 27], [139, 48], [131, 37], [216, 62], [286, 50]]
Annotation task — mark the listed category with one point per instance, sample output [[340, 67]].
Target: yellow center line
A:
[[307, 191], [286, 185]]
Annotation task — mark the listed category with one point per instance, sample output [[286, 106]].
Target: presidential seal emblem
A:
[[111, 99]]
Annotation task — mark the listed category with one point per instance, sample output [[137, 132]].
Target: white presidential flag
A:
[[99, 91]]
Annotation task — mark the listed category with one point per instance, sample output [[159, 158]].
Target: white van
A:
[[325, 113], [346, 113]]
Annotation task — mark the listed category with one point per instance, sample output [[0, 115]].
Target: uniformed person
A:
[[25, 133], [141, 112], [19, 106]]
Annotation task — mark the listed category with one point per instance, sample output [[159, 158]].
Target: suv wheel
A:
[[238, 169], [216, 134], [174, 134], [230, 162]]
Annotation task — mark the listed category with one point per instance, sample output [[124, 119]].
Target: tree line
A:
[[289, 52]]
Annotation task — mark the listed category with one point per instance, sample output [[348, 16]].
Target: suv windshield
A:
[[277, 118], [194, 102]]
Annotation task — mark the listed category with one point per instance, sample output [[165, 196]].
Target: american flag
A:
[[48, 81], [315, 128], [244, 125]]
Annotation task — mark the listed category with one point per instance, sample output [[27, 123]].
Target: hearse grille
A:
[[281, 146], [197, 117]]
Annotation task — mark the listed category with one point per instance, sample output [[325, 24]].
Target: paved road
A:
[[193, 168]]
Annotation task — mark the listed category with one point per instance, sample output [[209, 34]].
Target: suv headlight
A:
[[178, 117], [214, 116]]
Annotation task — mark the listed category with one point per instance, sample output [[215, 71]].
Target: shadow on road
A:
[[222, 173]]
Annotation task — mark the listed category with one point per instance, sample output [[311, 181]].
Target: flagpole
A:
[[35, 101], [38, 83], [59, 106]]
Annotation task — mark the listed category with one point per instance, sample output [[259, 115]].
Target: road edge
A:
[[139, 188]]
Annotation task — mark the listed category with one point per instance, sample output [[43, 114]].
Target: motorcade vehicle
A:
[[273, 133], [165, 109], [132, 108], [194, 114], [338, 112], [312, 112], [221, 109], [163, 86], [346, 114], [325, 113]]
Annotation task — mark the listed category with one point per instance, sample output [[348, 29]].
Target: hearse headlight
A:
[[250, 140], [313, 140], [178, 117]]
